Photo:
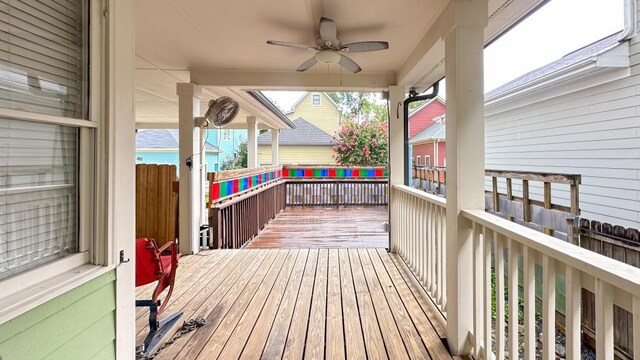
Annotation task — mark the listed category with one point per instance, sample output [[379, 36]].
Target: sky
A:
[[556, 29]]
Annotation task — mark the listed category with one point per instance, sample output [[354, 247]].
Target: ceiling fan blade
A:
[[349, 64], [307, 64], [365, 46], [328, 31], [290, 44]]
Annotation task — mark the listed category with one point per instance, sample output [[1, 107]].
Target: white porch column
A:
[[464, 72], [190, 189], [396, 155], [275, 146], [252, 142]]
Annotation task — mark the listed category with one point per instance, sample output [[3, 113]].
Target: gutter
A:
[[259, 97], [413, 97], [629, 20]]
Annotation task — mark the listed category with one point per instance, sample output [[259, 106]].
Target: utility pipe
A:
[[413, 97]]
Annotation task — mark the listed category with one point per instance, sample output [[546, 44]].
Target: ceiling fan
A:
[[329, 49]]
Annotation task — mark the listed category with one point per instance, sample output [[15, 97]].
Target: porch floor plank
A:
[[325, 227], [301, 304]]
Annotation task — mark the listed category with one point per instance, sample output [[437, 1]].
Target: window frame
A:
[[29, 289], [418, 160], [427, 160], [313, 99]]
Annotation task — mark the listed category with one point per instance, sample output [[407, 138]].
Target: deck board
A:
[[301, 304], [325, 227]]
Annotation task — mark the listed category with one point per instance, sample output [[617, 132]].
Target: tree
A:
[[365, 144], [238, 160], [360, 106]]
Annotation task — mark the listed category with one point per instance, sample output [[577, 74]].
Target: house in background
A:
[[160, 146], [429, 145], [420, 119], [227, 141], [317, 118], [575, 115]]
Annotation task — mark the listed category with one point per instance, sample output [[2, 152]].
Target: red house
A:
[[429, 146], [422, 117]]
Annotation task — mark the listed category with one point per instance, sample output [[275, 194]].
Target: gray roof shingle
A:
[[572, 58], [304, 134], [163, 139], [437, 130]]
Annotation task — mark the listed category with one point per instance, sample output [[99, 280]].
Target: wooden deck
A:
[[325, 227], [301, 303]]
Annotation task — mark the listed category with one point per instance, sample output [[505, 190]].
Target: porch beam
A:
[[293, 80], [464, 48], [252, 142], [190, 186], [275, 146]]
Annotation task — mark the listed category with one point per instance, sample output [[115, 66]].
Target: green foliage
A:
[[238, 160], [360, 106], [363, 144]]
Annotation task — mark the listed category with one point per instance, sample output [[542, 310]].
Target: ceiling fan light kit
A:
[[328, 57], [329, 48]]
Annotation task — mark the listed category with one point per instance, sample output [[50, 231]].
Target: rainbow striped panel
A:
[[224, 188]]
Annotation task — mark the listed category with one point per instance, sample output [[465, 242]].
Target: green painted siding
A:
[[79, 324]]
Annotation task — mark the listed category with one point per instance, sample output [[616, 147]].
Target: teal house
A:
[[160, 146], [227, 141]]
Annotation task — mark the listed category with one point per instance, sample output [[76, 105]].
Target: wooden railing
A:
[[421, 242], [498, 247], [238, 220], [509, 195], [337, 192]]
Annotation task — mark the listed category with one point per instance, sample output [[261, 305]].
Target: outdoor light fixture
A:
[[328, 56]]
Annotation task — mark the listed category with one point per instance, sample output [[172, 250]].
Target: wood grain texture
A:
[[330, 227], [302, 304]]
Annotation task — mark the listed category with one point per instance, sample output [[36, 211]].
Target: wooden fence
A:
[[157, 202], [622, 244]]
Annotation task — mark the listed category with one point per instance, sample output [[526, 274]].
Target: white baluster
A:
[[636, 328], [604, 320], [573, 319], [487, 236], [478, 293], [548, 308], [514, 254], [498, 245], [529, 285]]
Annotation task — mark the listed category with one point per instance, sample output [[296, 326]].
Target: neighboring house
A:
[[578, 115], [160, 146], [420, 119], [228, 141], [423, 116], [305, 144], [429, 146], [317, 118]]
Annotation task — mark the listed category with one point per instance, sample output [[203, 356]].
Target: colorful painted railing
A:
[[334, 172], [227, 184]]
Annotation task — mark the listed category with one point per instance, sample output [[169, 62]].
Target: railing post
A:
[[463, 25]]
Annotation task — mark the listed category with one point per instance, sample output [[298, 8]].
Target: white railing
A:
[[500, 248], [421, 238]]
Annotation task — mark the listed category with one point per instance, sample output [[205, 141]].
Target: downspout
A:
[[413, 97], [629, 20]]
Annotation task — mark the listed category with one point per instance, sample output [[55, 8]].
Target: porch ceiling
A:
[[222, 44]]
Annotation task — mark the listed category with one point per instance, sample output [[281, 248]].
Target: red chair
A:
[[151, 266]]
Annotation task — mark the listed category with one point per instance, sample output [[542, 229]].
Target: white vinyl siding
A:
[[42, 52], [38, 194], [594, 132]]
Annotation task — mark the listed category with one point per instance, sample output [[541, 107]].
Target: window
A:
[[316, 99], [418, 161], [44, 70], [226, 135], [427, 160]]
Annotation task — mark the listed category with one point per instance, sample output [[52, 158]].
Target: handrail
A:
[[438, 200], [614, 272]]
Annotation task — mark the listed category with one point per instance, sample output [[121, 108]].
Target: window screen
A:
[[316, 99], [38, 194], [43, 57]]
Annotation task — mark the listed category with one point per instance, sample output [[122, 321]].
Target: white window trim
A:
[[418, 160], [25, 291], [319, 99], [427, 160]]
